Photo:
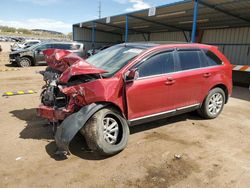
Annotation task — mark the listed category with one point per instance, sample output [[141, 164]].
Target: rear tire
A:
[[24, 62], [213, 104], [106, 132]]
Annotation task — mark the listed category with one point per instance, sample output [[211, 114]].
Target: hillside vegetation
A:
[[36, 33]]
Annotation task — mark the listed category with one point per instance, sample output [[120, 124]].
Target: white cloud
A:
[[136, 4], [39, 23], [41, 2]]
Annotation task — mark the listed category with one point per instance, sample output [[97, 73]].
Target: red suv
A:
[[130, 84]]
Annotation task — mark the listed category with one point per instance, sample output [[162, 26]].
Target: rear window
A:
[[212, 58], [191, 59], [75, 47]]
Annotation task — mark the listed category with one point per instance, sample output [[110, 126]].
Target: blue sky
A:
[[59, 15]]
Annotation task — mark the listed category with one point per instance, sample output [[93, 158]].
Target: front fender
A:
[[72, 124]]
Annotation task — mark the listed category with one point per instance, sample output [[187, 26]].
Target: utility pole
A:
[[100, 9]]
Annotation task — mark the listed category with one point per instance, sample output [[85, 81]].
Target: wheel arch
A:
[[114, 106], [224, 88], [30, 58]]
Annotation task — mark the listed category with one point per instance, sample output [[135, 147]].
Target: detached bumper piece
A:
[[71, 125], [53, 115]]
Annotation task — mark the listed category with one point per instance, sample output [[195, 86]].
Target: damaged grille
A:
[[52, 96]]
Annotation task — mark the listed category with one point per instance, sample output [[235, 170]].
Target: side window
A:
[[58, 46], [49, 46], [66, 46], [63, 46], [159, 64], [44, 47], [32, 43], [191, 59], [212, 58], [28, 44]]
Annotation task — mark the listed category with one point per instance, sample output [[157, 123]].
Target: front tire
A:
[[213, 104], [24, 62], [106, 132]]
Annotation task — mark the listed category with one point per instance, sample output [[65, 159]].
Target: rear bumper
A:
[[52, 114]]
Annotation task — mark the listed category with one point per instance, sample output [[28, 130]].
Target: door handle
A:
[[207, 75], [170, 81]]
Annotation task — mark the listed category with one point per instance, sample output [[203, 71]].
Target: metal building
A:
[[225, 23]]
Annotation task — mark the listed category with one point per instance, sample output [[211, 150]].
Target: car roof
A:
[[59, 42], [186, 45], [172, 44], [166, 44], [143, 45]]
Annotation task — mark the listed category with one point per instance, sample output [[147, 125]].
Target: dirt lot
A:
[[214, 153], [6, 46]]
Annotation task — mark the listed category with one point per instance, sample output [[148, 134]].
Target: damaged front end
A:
[[64, 95]]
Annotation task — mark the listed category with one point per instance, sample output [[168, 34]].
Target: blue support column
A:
[[93, 35], [196, 4], [126, 29]]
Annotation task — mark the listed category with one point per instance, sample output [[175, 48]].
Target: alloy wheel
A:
[[25, 63], [215, 103], [110, 130]]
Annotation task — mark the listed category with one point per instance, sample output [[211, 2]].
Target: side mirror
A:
[[132, 74]]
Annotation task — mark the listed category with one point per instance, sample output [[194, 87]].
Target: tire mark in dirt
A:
[[166, 174]]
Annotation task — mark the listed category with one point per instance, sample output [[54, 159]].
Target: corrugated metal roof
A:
[[179, 16]]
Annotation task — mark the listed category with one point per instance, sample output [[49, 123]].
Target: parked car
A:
[[130, 84], [34, 54], [1, 48], [95, 51], [22, 45]]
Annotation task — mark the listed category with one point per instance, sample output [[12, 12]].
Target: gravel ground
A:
[[182, 151]]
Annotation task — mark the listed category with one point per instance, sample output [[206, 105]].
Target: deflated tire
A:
[[106, 132]]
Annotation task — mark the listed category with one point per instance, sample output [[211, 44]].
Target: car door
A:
[[188, 89], [213, 70], [39, 56], [148, 94]]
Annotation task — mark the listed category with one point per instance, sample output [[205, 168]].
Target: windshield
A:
[[114, 58]]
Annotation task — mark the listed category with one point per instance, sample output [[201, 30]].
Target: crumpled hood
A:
[[57, 59], [69, 64]]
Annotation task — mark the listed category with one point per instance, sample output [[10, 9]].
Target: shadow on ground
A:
[[37, 128], [164, 122], [16, 66], [11, 65], [78, 147]]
